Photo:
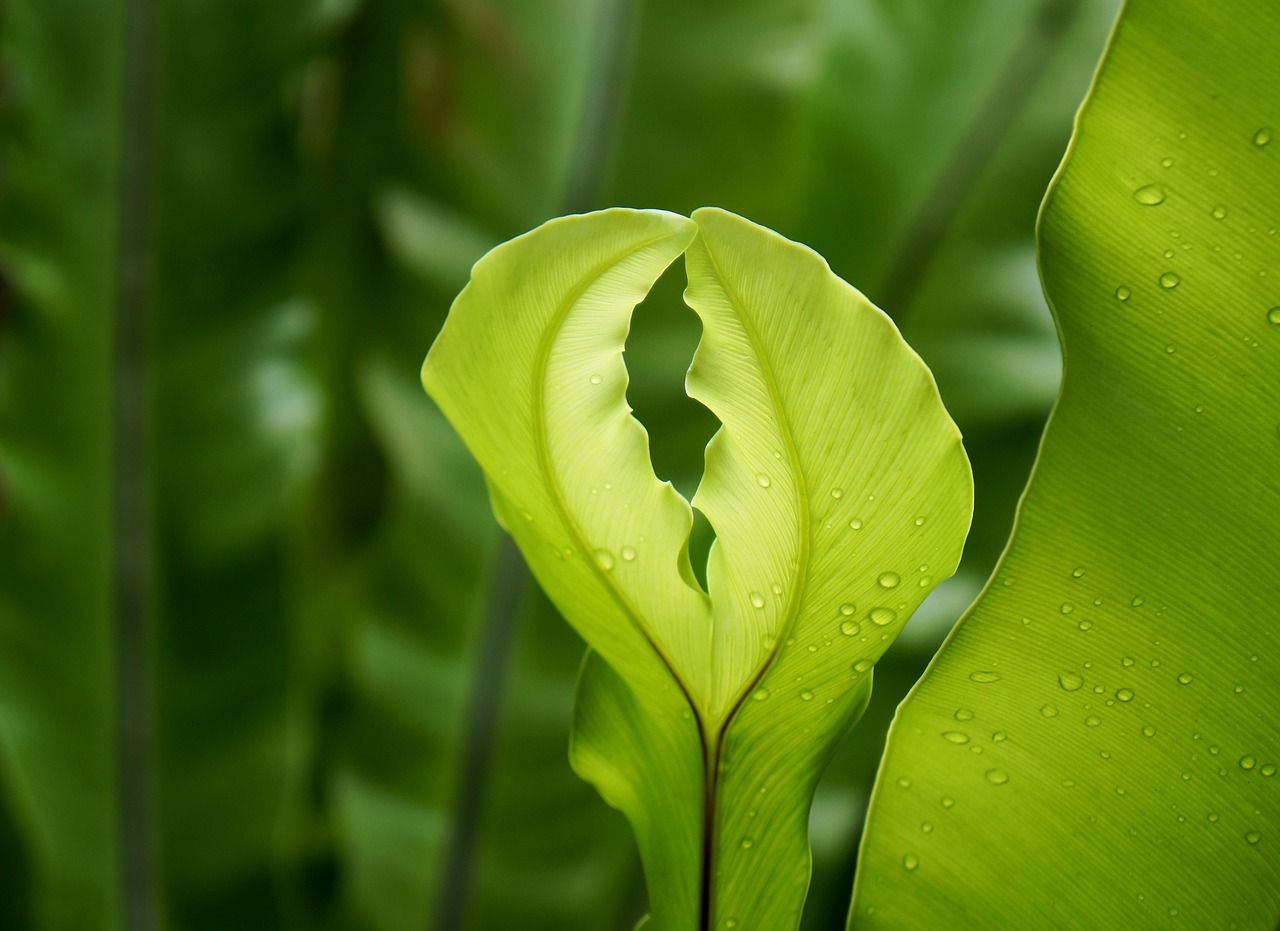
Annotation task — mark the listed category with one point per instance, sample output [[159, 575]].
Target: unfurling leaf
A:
[[837, 487]]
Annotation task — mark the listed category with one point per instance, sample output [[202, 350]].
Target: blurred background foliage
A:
[[265, 659]]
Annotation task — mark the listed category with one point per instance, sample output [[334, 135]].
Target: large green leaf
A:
[[1118, 765], [837, 487]]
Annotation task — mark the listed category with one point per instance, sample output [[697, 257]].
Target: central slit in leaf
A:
[[664, 334]]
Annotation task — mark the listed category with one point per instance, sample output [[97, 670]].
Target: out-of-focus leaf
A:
[[57, 696], [1129, 724], [160, 419], [689, 712]]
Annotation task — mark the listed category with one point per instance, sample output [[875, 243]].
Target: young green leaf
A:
[[837, 487], [1130, 744]]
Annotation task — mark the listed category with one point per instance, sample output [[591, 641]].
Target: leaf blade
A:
[[847, 421], [1139, 699]]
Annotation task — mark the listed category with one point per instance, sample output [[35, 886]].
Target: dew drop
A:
[[1077, 572], [963, 714], [1166, 163], [1150, 195], [1262, 137], [848, 608], [731, 922], [1124, 694], [596, 379], [837, 493], [1273, 316], [850, 628], [1268, 769], [1148, 731], [904, 782], [985, 676], [919, 521], [1219, 212], [1049, 711], [1169, 280], [997, 777], [926, 827], [862, 665], [762, 480], [999, 737], [748, 843], [628, 554], [1070, 681], [889, 580], [882, 617], [760, 694], [1137, 602], [955, 737], [855, 524], [757, 600], [1247, 762], [1253, 836], [1092, 721], [1067, 608], [1123, 294], [776, 588], [1186, 678], [1085, 625], [605, 559], [910, 862]]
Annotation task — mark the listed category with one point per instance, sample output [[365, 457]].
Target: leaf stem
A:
[[132, 532], [485, 702], [1007, 100]]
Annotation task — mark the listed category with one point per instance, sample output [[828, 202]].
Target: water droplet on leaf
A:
[[985, 676], [1169, 280], [1070, 681], [997, 777], [605, 559], [1150, 195], [882, 617], [889, 580]]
